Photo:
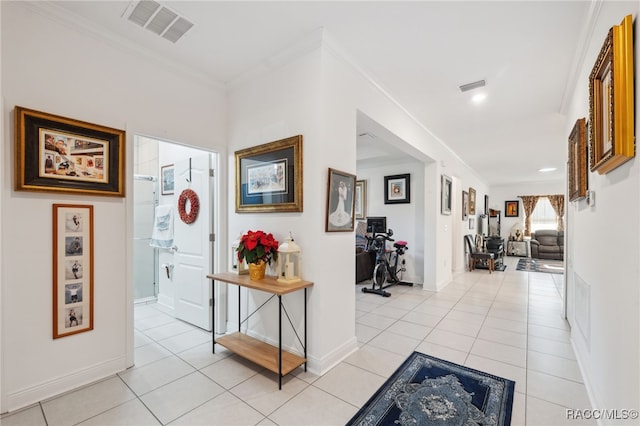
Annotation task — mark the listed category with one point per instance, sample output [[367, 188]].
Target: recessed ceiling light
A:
[[479, 98], [547, 169]]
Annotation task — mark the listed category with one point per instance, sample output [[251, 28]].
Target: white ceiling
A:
[[420, 52]]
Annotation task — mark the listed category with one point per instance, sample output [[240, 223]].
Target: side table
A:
[[519, 248], [265, 355]]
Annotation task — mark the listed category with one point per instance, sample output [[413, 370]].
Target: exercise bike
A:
[[386, 272]]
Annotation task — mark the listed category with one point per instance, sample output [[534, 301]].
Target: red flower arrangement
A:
[[257, 246]]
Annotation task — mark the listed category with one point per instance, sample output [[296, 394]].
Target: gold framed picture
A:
[[60, 154], [578, 161], [269, 177], [611, 101], [472, 201]]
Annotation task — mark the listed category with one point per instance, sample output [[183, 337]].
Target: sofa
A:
[[547, 244]]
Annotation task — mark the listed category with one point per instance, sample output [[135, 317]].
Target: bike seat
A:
[[400, 244]]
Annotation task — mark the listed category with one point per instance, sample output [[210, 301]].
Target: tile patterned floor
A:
[[506, 323]]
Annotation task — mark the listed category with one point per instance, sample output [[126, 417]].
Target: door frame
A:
[[218, 218]]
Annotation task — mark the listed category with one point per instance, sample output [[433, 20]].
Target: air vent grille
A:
[[177, 30], [159, 19]]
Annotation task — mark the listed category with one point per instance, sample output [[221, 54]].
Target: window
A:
[[543, 216]]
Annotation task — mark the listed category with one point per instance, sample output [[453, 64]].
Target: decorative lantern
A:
[[289, 262], [238, 266]]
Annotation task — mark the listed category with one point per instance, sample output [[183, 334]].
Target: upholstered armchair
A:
[[547, 244]]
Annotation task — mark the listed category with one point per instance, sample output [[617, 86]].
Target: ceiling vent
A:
[[471, 86], [159, 19]]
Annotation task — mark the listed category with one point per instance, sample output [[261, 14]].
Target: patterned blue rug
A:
[[429, 391], [541, 265]]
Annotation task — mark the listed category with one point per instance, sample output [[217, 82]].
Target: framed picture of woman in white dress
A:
[[340, 202]]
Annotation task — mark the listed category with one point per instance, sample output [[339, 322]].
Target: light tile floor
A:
[[506, 323]]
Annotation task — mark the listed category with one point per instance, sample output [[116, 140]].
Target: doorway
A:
[[179, 264]]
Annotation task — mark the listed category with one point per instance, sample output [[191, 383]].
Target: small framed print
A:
[[340, 202], [397, 189], [465, 205], [472, 201], [167, 184], [72, 269], [512, 208], [361, 199], [445, 195]]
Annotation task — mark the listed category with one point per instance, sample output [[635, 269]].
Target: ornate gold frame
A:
[[286, 156], [611, 109], [578, 161]]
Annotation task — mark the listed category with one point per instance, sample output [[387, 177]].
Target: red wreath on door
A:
[[194, 202]]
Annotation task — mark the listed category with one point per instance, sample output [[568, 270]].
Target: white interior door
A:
[[194, 242]]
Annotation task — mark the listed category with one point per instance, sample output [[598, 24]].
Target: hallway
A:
[[505, 323]]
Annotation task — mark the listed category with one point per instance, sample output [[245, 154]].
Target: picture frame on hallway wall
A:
[[397, 189], [512, 208], [340, 215], [269, 177], [64, 155], [445, 194], [472, 201], [611, 101], [465, 205], [360, 202], [72, 269], [577, 168]]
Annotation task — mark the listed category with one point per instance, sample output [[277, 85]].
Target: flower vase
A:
[[257, 270]]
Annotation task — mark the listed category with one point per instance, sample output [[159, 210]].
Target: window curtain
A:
[[529, 203], [557, 202]]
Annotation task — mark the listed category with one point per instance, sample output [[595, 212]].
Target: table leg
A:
[[280, 342], [305, 329]]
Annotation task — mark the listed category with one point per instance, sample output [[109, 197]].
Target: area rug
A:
[[541, 265], [429, 391]]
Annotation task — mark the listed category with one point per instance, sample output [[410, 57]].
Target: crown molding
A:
[[584, 40], [74, 22]]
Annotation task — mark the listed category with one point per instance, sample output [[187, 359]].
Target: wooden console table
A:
[[268, 356]]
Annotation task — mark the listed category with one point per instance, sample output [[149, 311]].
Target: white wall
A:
[[603, 252], [320, 94], [100, 83], [406, 220]]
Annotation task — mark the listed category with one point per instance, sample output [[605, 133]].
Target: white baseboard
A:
[[320, 366], [30, 395]]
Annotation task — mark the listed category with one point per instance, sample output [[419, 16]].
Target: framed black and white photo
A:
[[445, 207], [340, 202], [397, 189], [72, 269]]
